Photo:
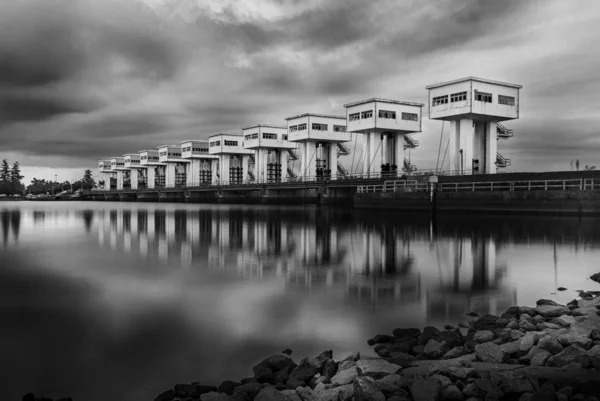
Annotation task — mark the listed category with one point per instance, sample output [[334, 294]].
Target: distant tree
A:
[[5, 172], [88, 181]]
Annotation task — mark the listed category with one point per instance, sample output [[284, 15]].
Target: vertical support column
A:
[[467, 138], [384, 149], [302, 151], [225, 166], [133, 178], [491, 148], [454, 146], [310, 170], [284, 164], [399, 151], [245, 167], [215, 172], [333, 160], [151, 176], [120, 179], [170, 175], [374, 154], [192, 172], [366, 152]]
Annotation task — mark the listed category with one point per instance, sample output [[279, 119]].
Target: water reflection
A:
[[10, 222]]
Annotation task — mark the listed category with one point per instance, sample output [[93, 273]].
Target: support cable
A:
[[354, 153], [373, 159], [444, 159], [439, 148]]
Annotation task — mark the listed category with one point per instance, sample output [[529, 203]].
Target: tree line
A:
[[10, 182]]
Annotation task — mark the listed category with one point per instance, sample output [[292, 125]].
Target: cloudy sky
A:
[[82, 80]]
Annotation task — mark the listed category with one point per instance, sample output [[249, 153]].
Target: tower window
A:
[[319, 127], [267, 135], [301, 127], [436, 101], [354, 116], [339, 128], [366, 114], [387, 114], [483, 97], [508, 100], [458, 97], [410, 116]]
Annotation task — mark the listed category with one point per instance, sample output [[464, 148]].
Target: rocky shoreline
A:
[[547, 352]]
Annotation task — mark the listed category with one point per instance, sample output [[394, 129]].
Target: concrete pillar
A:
[[374, 153], [454, 147], [467, 137], [284, 164], [491, 148], [120, 179], [225, 164], [215, 165], [399, 151], [170, 175], [333, 160], [133, 177], [192, 172], [384, 149], [310, 167], [246, 167], [366, 152], [151, 176]]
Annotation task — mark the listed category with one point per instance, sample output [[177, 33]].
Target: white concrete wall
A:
[[501, 111], [133, 176], [308, 167], [120, 179], [317, 135], [282, 154], [170, 175], [450, 109], [492, 148], [377, 123]]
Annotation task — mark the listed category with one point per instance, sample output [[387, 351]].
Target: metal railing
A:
[[394, 186], [410, 142], [341, 170], [503, 132], [293, 154], [533, 185], [502, 161], [343, 149]]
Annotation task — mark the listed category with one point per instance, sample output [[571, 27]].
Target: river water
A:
[[120, 301]]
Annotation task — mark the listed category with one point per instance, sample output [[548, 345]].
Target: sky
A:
[[84, 80]]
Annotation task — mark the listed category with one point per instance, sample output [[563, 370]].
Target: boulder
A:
[[290, 395], [460, 373], [452, 393], [434, 349], [293, 383], [571, 354], [595, 277], [393, 381], [377, 367], [164, 396], [307, 394], [471, 390], [429, 333], [401, 359], [483, 336], [344, 377], [352, 357], [487, 322], [511, 348], [489, 352], [513, 324], [550, 344], [365, 389], [564, 320], [527, 326], [307, 368], [595, 335], [546, 302], [214, 396], [511, 313], [455, 353], [452, 338], [571, 338], [329, 368], [227, 387], [266, 370], [552, 310], [540, 358], [345, 365], [381, 338], [427, 389], [516, 334], [246, 392], [527, 310], [342, 393], [269, 394], [527, 342]]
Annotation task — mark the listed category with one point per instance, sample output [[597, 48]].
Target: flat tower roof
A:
[[266, 126], [147, 151], [487, 81], [227, 133], [316, 115], [131, 154], [380, 100], [166, 146], [194, 140]]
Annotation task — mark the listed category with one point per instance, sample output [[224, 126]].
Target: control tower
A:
[[199, 168], [270, 142], [153, 176], [232, 165], [175, 170], [321, 139], [132, 162], [475, 107], [117, 164], [108, 176], [386, 126]]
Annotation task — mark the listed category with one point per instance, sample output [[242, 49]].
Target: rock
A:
[[552, 310], [545, 393], [401, 359], [377, 367], [527, 310], [307, 394], [452, 338], [571, 354], [269, 394], [165, 396], [214, 396], [427, 389], [550, 344], [290, 395], [527, 342], [429, 333], [381, 338], [460, 373], [352, 357], [365, 389], [246, 391], [344, 377], [329, 369], [401, 345], [306, 369], [342, 393], [595, 335], [266, 370], [448, 327], [294, 383], [345, 365], [455, 353], [442, 380], [434, 349], [483, 336], [561, 289], [471, 390], [227, 387], [511, 313], [595, 277], [487, 322], [287, 352], [571, 338], [452, 393], [472, 314], [565, 320], [509, 383], [511, 347], [488, 352], [527, 326], [546, 302], [540, 358], [463, 325], [547, 325], [516, 334]]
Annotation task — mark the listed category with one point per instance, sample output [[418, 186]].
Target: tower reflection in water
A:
[[371, 263]]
